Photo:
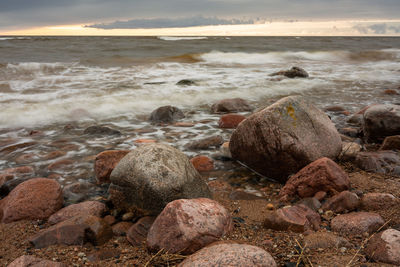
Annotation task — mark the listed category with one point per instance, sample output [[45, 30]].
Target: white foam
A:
[[177, 38], [14, 38]]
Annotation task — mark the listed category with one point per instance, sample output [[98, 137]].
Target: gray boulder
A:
[[166, 114], [292, 73], [151, 176], [284, 137], [381, 121]]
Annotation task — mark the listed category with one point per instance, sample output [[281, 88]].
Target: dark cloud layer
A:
[[16, 14]]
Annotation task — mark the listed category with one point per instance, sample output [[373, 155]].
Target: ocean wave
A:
[[14, 38], [38, 67], [176, 38]]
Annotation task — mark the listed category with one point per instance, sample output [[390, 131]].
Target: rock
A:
[[230, 121], [138, 232], [297, 218], [186, 82], [101, 130], [336, 109], [75, 231], [206, 143], [219, 186], [294, 72], [166, 114], [349, 151], [384, 161], [187, 225], [356, 119], [224, 149], [378, 201], [14, 147], [310, 202], [105, 162], [77, 192], [231, 105], [31, 261], [321, 175], [144, 141], [284, 137], [36, 198], [121, 228], [9, 185], [345, 201], [104, 254], [5, 178], [202, 163], [357, 223], [23, 170], [54, 155], [60, 164], [352, 132], [110, 219], [320, 195], [325, 240], [381, 121], [84, 208], [391, 143], [229, 254], [385, 247], [151, 176]]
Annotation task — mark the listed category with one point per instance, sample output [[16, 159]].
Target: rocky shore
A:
[[286, 188]]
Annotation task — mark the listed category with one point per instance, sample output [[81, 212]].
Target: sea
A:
[[52, 88]]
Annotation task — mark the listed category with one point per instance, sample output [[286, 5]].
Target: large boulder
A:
[[231, 105], [187, 225], [229, 254], [292, 73], [385, 247], [166, 114], [284, 137], [151, 176], [321, 175], [36, 198], [381, 121]]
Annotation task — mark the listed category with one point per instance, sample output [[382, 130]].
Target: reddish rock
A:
[[184, 124], [54, 154], [345, 201], [229, 254], [218, 186], [138, 232], [105, 163], [224, 149], [380, 162], [5, 177], [81, 209], [60, 164], [284, 137], [31, 261], [19, 170], [320, 195], [110, 219], [230, 121], [335, 109], [202, 163], [391, 143], [325, 240], [381, 121], [104, 254], [357, 223], [297, 218], [321, 175], [145, 141], [26, 158], [231, 105], [187, 225], [385, 247], [36, 198], [206, 143], [12, 148], [121, 228], [378, 201], [390, 92]]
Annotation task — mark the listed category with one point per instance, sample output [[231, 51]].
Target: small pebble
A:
[[270, 206]]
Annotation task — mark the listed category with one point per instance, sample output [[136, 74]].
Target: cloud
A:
[[379, 28], [168, 23]]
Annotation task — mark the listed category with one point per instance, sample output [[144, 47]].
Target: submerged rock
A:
[[186, 82], [101, 130], [206, 143], [187, 225], [381, 121], [231, 105], [294, 72], [166, 114], [284, 137], [151, 176], [230, 121]]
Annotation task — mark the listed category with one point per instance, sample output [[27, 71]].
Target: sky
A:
[[188, 17]]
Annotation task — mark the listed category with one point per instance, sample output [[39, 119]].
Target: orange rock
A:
[[145, 141], [390, 92], [230, 120], [105, 163], [60, 164], [184, 124], [54, 154], [202, 163]]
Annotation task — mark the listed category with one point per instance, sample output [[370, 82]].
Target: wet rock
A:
[[229, 254], [390, 92], [225, 152], [231, 105], [378, 201], [84, 208], [54, 154], [385, 247], [5, 178], [121, 228], [144, 141], [36, 198], [391, 143], [294, 72], [27, 158], [230, 121], [384, 161], [187, 225], [345, 201], [206, 143], [325, 240], [349, 151], [321, 175], [356, 119], [297, 218], [352, 132], [77, 192], [14, 147], [105, 162], [31, 261], [101, 130], [202, 163], [166, 114], [103, 254], [357, 223], [60, 165], [10, 184], [284, 137], [336, 109], [23, 170], [161, 172], [186, 82], [219, 186], [138, 232], [381, 121]]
